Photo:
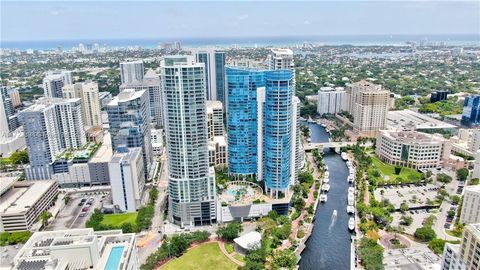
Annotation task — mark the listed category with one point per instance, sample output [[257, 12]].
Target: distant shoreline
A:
[[149, 43]]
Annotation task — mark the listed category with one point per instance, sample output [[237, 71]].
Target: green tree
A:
[[283, 259], [462, 174], [406, 220], [19, 157], [231, 231], [455, 199], [474, 181], [404, 207], [436, 245], [441, 177], [425, 233], [371, 254], [44, 217], [67, 199]]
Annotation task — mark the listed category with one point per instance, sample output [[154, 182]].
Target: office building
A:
[[471, 111], [470, 246], [215, 119], [8, 118], [438, 96], [451, 259], [214, 61], [412, 149], [127, 178], [191, 188], [262, 135], [471, 205], [54, 82], [22, 202], [51, 126], [151, 84], [78, 249], [368, 104], [330, 100], [88, 93], [131, 72]]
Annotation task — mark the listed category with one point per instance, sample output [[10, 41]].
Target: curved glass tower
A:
[[277, 141], [259, 123], [242, 133]]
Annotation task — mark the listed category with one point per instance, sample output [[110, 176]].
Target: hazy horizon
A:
[[63, 20]]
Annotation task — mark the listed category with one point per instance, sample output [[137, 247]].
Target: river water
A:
[[329, 245]]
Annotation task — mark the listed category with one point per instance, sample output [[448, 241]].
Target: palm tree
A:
[[67, 199], [44, 217]]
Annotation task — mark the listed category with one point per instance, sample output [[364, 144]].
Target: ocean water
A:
[[460, 40]]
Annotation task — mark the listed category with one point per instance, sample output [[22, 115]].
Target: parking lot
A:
[[78, 210], [418, 216], [414, 196]]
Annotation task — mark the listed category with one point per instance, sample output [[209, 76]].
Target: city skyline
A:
[[60, 20]]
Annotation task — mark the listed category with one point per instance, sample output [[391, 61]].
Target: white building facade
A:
[[330, 100], [131, 72], [471, 205]]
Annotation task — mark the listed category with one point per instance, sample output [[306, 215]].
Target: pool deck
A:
[[102, 263]]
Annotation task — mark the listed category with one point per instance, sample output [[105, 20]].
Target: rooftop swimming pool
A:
[[114, 258]]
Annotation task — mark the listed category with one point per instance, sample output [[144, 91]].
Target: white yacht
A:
[[344, 156], [350, 209], [325, 187], [334, 213], [326, 174], [351, 199], [326, 180], [351, 190], [323, 125], [323, 198], [350, 179], [351, 224]]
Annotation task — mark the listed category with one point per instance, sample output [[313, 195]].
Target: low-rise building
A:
[[157, 141], [21, 203], [78, 249], [471, 205], [470, 246], [412, 149], [217, 151], [127, 178]]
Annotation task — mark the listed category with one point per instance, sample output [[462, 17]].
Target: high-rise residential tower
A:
[[214, 61], [131, 72], [330, 100], [150, 83], [191, 188], [8, 117], [88, 93], [54, 82], [368, 104], [262, 127], [129, 121], [51, 126]]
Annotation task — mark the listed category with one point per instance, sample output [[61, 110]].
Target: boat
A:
[[350, 198], [323, 125], [327, 174], [309, 140], [350, 209], [326, 169], [334, 213], [323, 198], [344, 156], [351, 190], [351, 224], [326, 187], [326, 180], [310, 120], [350, 179]]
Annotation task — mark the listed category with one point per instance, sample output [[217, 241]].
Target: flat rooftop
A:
[[23, 195], [6, 183], [105, 152], [408, 118], [412, 137], [126, 95]]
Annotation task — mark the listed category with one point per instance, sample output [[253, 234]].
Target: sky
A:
[[65, 20]]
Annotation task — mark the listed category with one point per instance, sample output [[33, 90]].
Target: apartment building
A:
[[471, 205], [78, 249], [470, 246]]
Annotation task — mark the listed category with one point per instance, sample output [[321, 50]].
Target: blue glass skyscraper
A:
[[277, 141], [242, 85], [259, 123], [471, 111]]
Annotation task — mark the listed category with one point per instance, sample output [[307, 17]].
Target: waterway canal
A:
[[329, 244]]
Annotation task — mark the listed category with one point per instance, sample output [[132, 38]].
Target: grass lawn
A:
[[118, 219], [239, 257], [204, 257], [406, 175], [229, 247]]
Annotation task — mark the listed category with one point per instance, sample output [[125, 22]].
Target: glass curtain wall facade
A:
[[471, 111], [259, 123], [277, 131], [192, 195]]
